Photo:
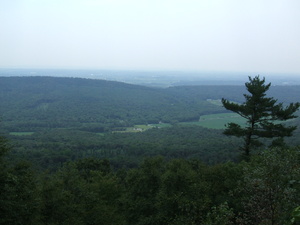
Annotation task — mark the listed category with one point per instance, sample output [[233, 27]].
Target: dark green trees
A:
[[263, 116], [18, 190], [269, 189], [83, 192]]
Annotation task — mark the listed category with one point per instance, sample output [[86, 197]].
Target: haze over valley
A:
[[157, 78]]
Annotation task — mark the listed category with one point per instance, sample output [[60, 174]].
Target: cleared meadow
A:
[[212, 121], [218, 121]]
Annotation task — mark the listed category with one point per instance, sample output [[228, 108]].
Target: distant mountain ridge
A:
[[34, 103], [156, 78], [30, 103]]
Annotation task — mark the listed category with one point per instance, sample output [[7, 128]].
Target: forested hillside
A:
[[32, 103], [70, 158], [54, 120], [50, 149]]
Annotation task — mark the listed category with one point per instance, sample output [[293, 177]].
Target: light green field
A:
[[218, 121], [213, 121], [135, 128], [21, 133]]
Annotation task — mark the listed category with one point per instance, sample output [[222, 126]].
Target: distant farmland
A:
[[213, 121], [218, 121]]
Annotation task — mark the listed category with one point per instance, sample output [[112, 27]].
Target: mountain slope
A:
[[30, 103]]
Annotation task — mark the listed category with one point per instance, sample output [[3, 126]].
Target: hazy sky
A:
[[206, 35]]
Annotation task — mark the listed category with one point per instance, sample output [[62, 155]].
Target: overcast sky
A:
[[206, 35]]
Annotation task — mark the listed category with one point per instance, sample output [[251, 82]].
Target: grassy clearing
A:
[[218, 121], [21, 133], [213, 121], [135, 128], [141, 128]]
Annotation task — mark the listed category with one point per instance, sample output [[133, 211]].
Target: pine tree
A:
[[263, 116]]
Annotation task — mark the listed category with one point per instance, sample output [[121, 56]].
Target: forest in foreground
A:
[[86, 191], [68, 161]]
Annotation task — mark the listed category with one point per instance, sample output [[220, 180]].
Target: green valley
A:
[[83, 151], [53, 120]]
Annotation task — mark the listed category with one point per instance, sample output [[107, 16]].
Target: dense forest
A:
[[65, 157], [35, 103], [54, 120], [31, 103], [264, 190]]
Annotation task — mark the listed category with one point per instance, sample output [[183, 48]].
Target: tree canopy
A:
[[263, 114]]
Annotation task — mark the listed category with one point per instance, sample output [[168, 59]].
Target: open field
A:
[[213, 121], [218, 121], [135, 128]]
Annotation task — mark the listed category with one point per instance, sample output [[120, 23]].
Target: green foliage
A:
[[41, 103], [81, 193], [52, 148], [142, 187], [19, 201], [158, 191], [183, 198], [223, 178], [296, 215], [221, 215], [64, 117], [261, 112], [115, 178], [87, 165], [270, 187], [4, 148], [177, 192]]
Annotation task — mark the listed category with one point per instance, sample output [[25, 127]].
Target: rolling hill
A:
[[34, 103]]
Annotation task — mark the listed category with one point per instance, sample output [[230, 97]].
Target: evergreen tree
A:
[[263, 115]]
